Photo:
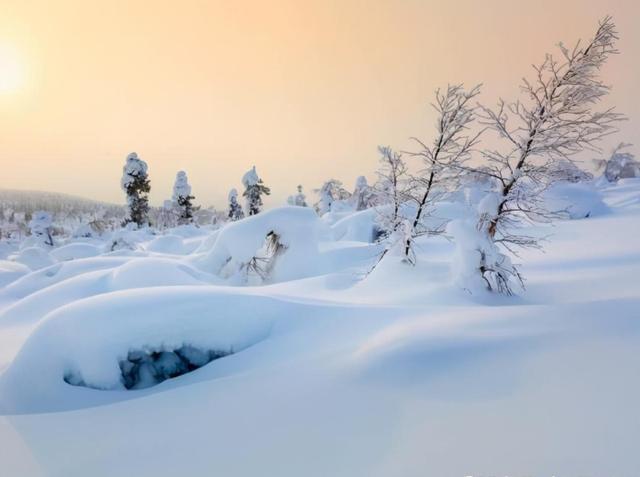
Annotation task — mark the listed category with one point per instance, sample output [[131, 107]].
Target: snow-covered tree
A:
[[363, 195], [300, 199], [135, 183], [331, 191], [40, 227], [182, 198], [554, 121], [167, 215], [254, 189], [620, 165], [390, 189], [235, 209], [442, 160]]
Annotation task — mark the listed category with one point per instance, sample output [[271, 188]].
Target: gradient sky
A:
[[305, 90]]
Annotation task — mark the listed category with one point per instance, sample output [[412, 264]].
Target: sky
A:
[[303, 90]]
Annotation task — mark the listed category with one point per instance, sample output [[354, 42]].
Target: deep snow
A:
[[399, 373]]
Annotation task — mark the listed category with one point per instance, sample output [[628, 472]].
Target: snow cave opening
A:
[[144, 368]]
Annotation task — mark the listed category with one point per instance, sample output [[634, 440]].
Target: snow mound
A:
[[239, 243], [74, 251], [33, 257], [172, 244], [358, 227], [10, 271], [579, 199], [153, 272], [86, 341]]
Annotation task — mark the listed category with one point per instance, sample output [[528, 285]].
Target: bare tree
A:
[[442, 160], [554, 122]]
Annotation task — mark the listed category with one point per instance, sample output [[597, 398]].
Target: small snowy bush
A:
[[621, 165], [40, 226]]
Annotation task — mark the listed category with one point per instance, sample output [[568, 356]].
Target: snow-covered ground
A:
[[327, 372]]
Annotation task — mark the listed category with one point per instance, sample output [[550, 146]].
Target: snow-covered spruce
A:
[[235, 209], [182, 198], [254, 189], [135, 183]]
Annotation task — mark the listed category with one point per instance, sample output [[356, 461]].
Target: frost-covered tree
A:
[[167, 215], [40, 227], [300, 199], [391, 189], [235, 209], [442, 160], [182, 198], [620, 165], [363, 195], [254, 189], [331, 191], [553, 122], [135, 183]]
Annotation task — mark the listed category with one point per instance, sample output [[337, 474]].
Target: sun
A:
[[11, 70]]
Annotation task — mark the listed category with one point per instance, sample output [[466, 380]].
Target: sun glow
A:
[[11, 70]]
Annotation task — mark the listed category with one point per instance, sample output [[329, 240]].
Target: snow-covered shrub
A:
[[40, 227], [282, 242], [135, 183], [478, 262], [621, 165], [566, 170], [330, 192], [126, 238], [235, 209], [92, 229], [167, 215], [254, 189]]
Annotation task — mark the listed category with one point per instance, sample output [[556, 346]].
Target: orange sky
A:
[[305, 90]]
